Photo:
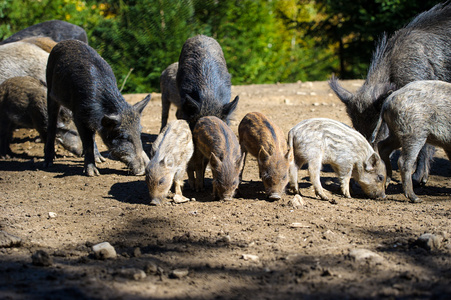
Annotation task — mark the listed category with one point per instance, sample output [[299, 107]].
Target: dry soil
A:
[[248, 248]]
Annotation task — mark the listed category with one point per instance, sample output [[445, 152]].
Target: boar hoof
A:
[[156, 202], [274, 197], [99, 158], [91, 170], [415, 200]]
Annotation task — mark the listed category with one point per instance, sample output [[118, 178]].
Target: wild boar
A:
[[419, 51], [57, 30], [215, 143], [321, 141], [203, 81], [81, 80], [169, 93], [259, 136], [23, 103], [22, 59], [169, 159], [416, 114]]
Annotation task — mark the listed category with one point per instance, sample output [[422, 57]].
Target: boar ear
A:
[[240, 162], [344, 95], [263, 156], [214, 161], [168, 161], [142, 104], [191, 106], [289, 154], [381, 93], [111, 121], [372, 162], [230, 107]]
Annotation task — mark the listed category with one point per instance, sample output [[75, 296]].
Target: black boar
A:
[[79, 79], [203, 81], [419, 51], [55, 29]]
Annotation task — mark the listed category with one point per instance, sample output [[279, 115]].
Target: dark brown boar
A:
[[216, 143]]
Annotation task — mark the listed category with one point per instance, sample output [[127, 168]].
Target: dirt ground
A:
[[248, 248]]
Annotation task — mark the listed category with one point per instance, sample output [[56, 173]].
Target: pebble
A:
[[178, 273], [52, 215], [297, 201], [429, 241], [8, 240], [151, 268], [365, 255], [132, 273], [250, 257], [41, 258], [104, 250], [180, 199], [299, 225]]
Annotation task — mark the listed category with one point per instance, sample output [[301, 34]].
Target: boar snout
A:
[[274, 197]]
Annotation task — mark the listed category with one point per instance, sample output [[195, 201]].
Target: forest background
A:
[[264, 41]]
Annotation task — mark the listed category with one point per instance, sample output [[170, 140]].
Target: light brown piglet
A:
[[265, 140]]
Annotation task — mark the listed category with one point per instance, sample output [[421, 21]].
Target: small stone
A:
[[250, 257], [104, 250], [180, 199], [299, 225], [151, 268], [364, 255], [179, 273], [9, 240], [41, 258], [132, 273], [297, 201], [429, 241], [137, 252], [52, 215]]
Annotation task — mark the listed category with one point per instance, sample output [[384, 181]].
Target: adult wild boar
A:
[[203, 81], [22, 59], [23, 103], [419, 51], [169, 93], [416, 114], [81, 80], [57, 30]]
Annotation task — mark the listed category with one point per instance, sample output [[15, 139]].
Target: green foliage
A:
[[264, 41]]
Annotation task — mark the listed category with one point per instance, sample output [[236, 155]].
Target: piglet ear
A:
[[142, 104], [214, 161], [111, 121], [230, 107], [263, 156], [372, 162]]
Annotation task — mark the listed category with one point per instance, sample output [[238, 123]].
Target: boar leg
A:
[[98, 157], [406, 162], [5, 137], [386, 147], [314, 168], [53, 108], [344, 177], [178, 184], [421, 174], [293, 175], [88, 138]]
